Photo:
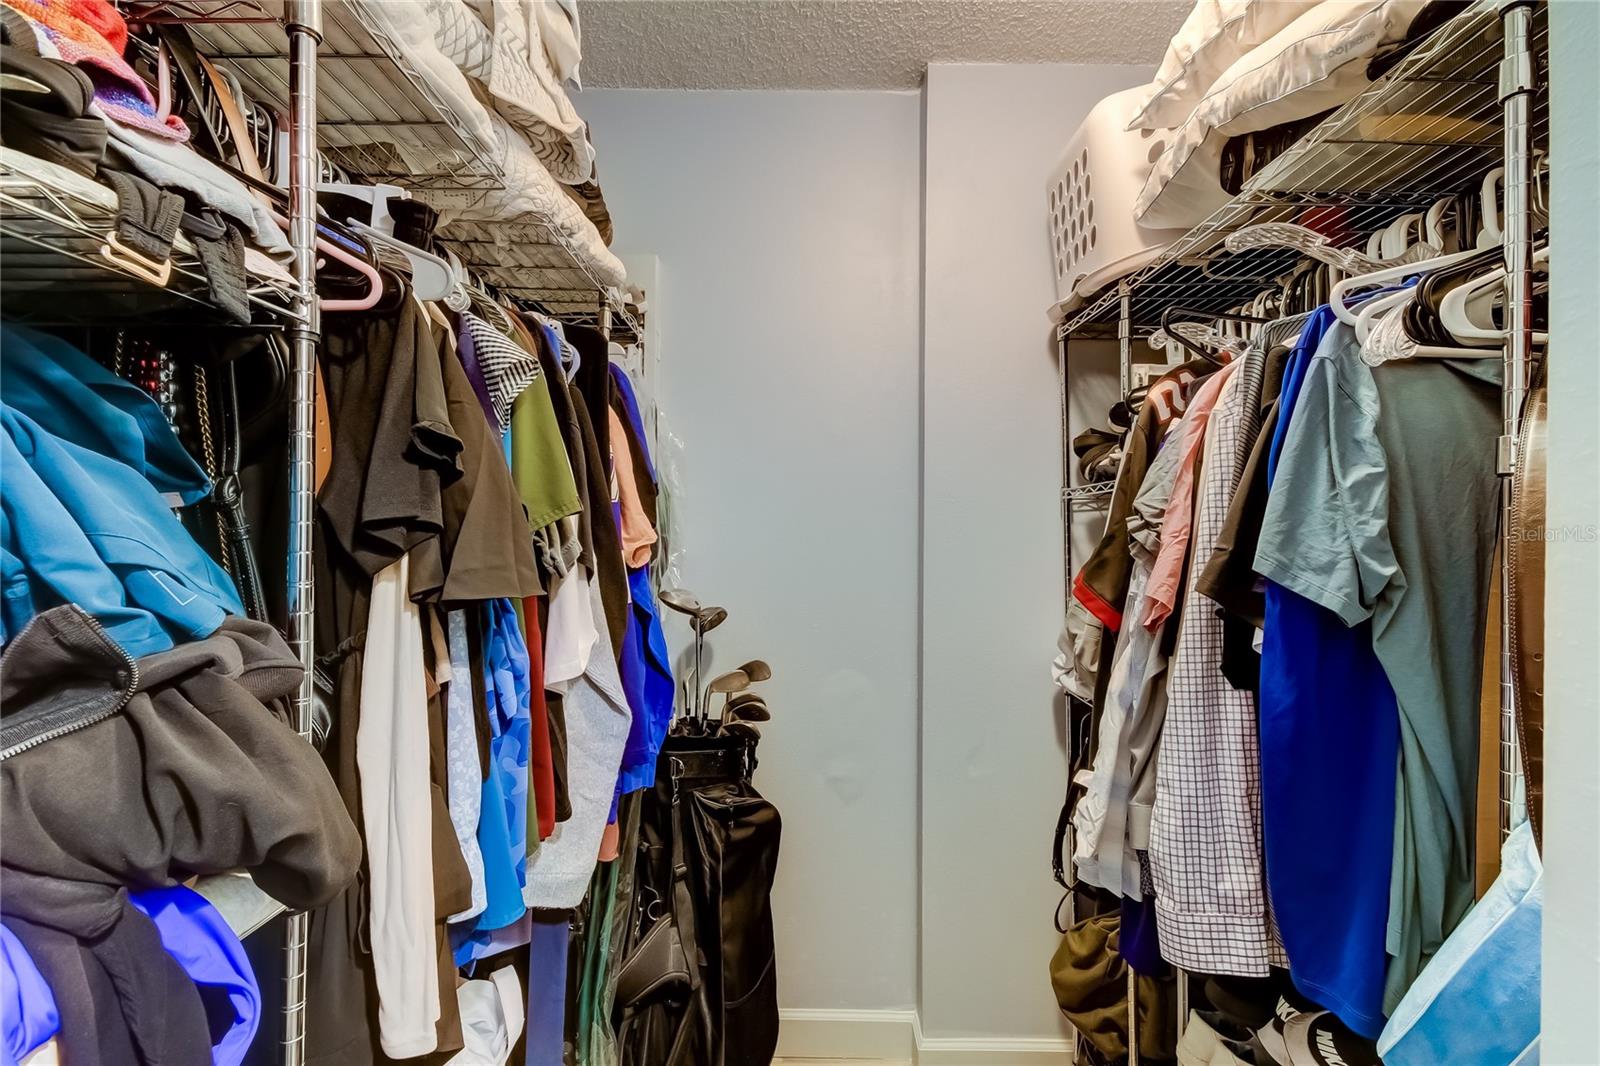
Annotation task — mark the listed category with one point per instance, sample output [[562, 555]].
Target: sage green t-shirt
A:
[[1438, 423], [539, 463]]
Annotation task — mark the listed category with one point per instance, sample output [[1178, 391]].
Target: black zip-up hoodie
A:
[[121, 774]]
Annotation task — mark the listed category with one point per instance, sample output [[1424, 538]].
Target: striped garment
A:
[[507, 367]]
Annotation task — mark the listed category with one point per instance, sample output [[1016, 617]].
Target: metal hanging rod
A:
[[304, 30]]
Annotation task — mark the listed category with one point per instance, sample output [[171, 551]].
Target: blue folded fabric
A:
[[646, 672], [198, 938], [1477, 1000], [28, 1015], [503, 818]]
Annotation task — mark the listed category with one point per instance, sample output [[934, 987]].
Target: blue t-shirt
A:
[[1328, 721], [201, 941], [503, 818], [646, 672]]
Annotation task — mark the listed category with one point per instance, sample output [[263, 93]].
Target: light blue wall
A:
[[787, 225], [833, 431], [993, 761], [1571, 998]]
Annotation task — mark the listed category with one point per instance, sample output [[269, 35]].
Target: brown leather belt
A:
[[1525, 598]]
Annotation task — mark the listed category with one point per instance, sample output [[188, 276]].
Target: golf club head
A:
[[758, 670], [732, 681], [681, 600], [741, 729], [708, 618], [747, 708]]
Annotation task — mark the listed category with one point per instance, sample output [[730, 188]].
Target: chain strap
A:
[[208, 452]]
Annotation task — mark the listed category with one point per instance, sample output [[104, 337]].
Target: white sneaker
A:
[[1269, 1043]]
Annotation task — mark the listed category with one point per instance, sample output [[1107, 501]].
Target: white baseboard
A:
[[848, 1034], [896, 1036]]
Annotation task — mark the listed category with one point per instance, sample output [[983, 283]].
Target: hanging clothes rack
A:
[[350, 104], [1467, 99]]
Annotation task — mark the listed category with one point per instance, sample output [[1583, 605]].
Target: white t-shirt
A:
[[392, 758]]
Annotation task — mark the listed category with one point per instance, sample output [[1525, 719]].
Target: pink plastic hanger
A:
[[339, 255]]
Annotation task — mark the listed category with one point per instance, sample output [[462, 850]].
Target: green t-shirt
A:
[[539, 462], [1438, 423]]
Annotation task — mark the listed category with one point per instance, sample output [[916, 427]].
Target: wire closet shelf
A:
[[376, 116], [379, 120], [1432, 127], [56, 230], [532, 260]]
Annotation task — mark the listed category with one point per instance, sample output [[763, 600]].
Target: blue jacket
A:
[[89, 472]]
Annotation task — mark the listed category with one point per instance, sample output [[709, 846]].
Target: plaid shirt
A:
[[1205, 843]]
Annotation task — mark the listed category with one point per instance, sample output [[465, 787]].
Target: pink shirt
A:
[[638, 535], [1161, 592]]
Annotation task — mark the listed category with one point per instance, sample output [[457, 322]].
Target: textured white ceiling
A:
[[855, 44]]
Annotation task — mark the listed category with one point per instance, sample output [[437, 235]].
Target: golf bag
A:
[[697, 985]]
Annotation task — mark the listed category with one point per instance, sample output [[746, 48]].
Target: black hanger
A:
[[1195, 314], [1421, 321]]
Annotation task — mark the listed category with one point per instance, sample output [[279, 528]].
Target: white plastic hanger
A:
[[1307, 242], [377, 195], [1407, 237], [1489, 236], [1377, 307], [1344, 289], [1432, 222], [458, 299], [1405, 234], [1489, 199]]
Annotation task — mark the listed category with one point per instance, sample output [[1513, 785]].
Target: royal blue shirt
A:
[[646, 672], [1329, 733]]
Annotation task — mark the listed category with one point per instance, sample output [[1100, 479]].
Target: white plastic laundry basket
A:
[[1093, 237]]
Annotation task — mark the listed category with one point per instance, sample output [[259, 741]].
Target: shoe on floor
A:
[[1203, 1045], [1268, 1043], [1321, 1039]]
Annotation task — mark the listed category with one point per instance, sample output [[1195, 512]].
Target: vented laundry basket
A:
[[1093, 237]]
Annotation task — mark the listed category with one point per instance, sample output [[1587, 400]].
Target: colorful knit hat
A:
[[92, 34]]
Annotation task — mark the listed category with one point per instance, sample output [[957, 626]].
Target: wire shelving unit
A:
[[1432, 127], [1469, 98]]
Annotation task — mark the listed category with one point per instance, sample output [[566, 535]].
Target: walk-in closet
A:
[[777, 532]]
